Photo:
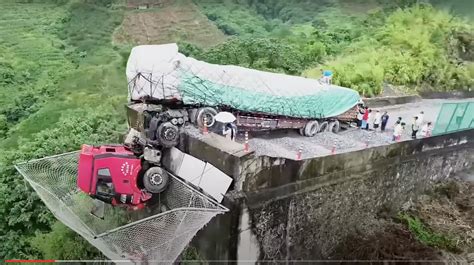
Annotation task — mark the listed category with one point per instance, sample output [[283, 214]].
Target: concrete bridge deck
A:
[[284, 209]]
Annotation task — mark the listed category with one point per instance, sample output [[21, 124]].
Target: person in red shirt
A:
[[365, 119]]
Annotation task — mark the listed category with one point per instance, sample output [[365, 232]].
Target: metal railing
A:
[[454, 117]]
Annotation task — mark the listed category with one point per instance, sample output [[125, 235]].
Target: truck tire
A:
[[155, 180], [324, 127], [168, 134], [301, 131], [334, 126], [207, 112], [311, 128]]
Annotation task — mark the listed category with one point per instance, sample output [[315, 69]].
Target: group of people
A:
[[417, 125], [367, 120]]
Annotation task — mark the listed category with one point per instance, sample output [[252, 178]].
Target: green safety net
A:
[[454, 117], [322, 103]]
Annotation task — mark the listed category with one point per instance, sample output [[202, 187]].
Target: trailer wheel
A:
[[301, 131], [207, 112], [324, 127], [168, 134], [334, 126], [155, 180], [311, 128]]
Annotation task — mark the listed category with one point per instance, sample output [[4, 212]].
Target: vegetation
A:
[[426, 236], [63, 84], [60, 91]]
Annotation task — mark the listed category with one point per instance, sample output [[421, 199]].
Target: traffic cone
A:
[[246, 144], [204, 128]]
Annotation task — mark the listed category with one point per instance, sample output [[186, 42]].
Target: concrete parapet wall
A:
[[304, 209], [386, 101]]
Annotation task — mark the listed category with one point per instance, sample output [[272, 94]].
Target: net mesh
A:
[[454, 117], [158, 233]]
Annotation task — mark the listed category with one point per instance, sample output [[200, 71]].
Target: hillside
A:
[[63, 62], [173, 21]]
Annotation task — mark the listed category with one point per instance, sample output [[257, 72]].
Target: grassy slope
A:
[[180, 20], [78, 50]]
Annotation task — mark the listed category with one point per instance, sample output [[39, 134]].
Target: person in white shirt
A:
[[229, 131], [421, 117], [398, 131], [370, 119], [426, 130], [377, 120], [415, 126]]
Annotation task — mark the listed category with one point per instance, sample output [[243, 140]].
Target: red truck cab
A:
[[110, 173]]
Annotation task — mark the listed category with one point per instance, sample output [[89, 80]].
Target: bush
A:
[[264, 54], [411, 49], [63, 243], [426, 236]]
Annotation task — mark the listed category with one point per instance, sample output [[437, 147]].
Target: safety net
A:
[[161, 72], [156, 234]]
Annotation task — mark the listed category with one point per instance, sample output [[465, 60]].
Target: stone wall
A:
[[305, 209]]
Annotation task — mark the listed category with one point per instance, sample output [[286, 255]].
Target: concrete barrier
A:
[[320, 201], [387, 101]]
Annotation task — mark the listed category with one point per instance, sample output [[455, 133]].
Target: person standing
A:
[[421, 117], [426, 130], [365, 118], [397, 132], [360, 114], [229, 131], [377, 119], [370, 119], [415, 126], [384, 121]]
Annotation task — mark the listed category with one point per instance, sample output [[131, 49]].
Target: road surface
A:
[[287, 143]]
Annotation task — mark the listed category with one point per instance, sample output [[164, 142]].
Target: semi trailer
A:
[[167, 89]]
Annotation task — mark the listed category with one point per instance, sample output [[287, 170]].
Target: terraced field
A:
[[30, 39], [178, 21], [63, 49], [28, 43]]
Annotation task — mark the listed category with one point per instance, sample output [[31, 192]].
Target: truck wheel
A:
[[324, 127], [301, 131], [168, 134], [311, 128], [207, 112], [334, 126], [155, 180]]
